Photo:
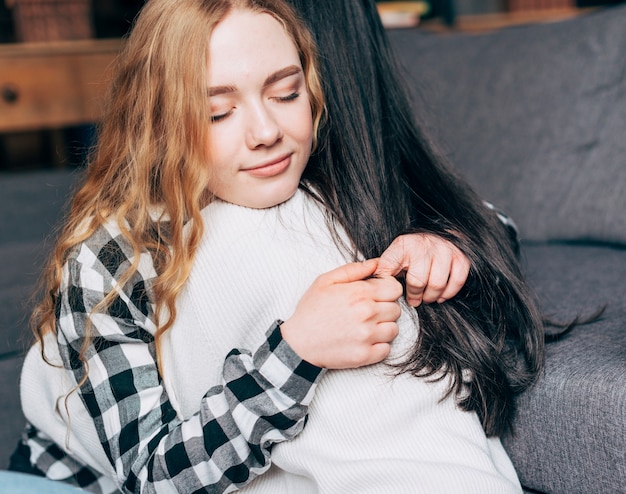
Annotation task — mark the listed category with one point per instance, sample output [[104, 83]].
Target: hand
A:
[[434, 269], [345, 319]]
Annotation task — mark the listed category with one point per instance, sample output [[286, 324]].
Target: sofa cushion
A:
[[32, 203], [31, 206], [534, 117], [20, 265], [570, 429], [12, 419]]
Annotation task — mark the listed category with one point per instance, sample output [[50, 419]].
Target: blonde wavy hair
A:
[[152, 147]]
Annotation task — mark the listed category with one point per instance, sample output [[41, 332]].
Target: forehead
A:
[[247, 44]]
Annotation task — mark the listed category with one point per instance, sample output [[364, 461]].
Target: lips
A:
[[271, 168]]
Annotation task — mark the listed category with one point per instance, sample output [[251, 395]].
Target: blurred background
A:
[[55, 56]]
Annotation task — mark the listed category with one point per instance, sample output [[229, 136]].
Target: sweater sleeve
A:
[[262, 400]]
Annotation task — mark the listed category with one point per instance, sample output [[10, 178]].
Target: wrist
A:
[[293, 338], [284, 368]]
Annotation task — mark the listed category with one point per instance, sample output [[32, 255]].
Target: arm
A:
[[227, 443]]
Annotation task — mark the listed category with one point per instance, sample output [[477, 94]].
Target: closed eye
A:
[[220, 116], [290, 97]]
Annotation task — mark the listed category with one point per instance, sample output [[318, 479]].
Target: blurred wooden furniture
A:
[[52, 85], [531, 5], [491, 22], [401, 14], [52, 20]]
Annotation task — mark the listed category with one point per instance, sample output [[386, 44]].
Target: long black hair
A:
[[380, 175]]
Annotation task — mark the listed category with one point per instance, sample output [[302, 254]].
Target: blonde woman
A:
[[92, 387]]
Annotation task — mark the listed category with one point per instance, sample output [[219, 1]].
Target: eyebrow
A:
[[271, 79], [282, 74]]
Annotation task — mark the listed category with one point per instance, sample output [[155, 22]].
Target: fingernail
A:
[[441, 300]]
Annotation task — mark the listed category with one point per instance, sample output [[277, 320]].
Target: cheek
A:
[[303, 126], [219, 148], [217, 154], [211, 145]]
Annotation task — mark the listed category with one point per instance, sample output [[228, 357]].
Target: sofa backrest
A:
[[33, 202], [31, 205], [534, 117]]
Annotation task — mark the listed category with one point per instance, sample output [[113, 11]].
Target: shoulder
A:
[[109, 252], [99, 277], [104, 262]]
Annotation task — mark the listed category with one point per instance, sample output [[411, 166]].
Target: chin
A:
[[270, 203], [271, 198]]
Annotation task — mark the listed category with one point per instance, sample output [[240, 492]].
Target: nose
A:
[[263, 128]]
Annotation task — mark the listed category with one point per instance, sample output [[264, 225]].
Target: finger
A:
[[416, 281], [350, 272], [389, 266], [388, 312], [438, 280], [458, 276], [378, 352], [387, 332], [385, 289], [392, 261]]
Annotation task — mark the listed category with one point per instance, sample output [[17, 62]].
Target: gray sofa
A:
[[30, 206], [535, 118]]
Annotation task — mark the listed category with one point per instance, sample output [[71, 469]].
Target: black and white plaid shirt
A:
[[263, 399]]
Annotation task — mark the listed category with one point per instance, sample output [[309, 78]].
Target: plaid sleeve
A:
[[46, 458], [509, 225], [262, 400]]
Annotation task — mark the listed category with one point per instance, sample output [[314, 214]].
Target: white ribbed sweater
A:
[[368, 431]]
